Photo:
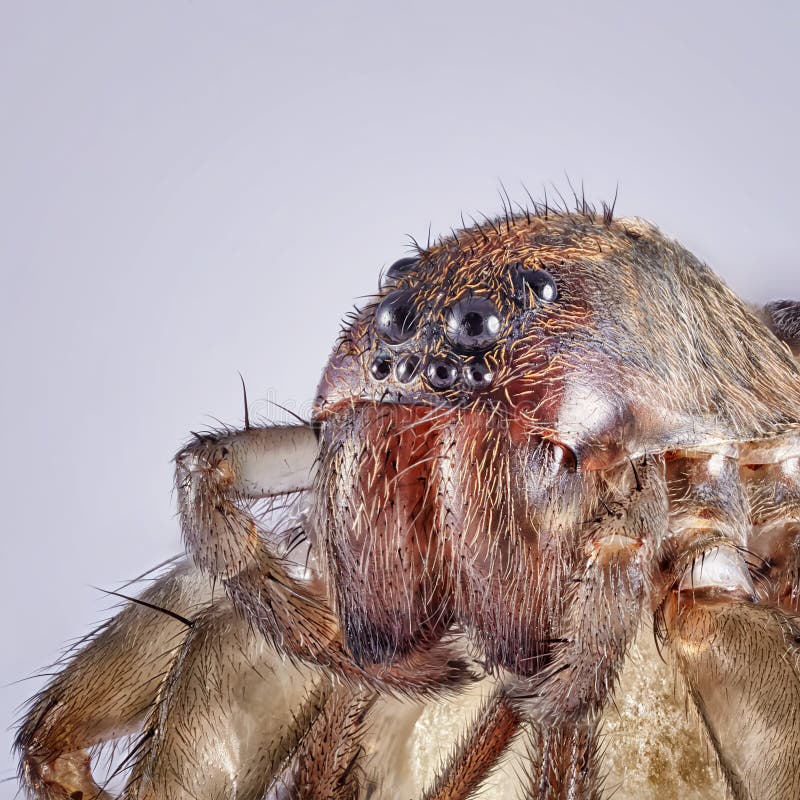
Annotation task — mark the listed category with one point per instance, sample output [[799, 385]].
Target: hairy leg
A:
[[476, 756], [223, 711], [741, 663], [774, 497], [739, 659], [605, 602], [230, 713], [325, 762], [108, 687], [565, 763]]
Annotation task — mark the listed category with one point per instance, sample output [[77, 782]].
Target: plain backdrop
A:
[[190, 189]]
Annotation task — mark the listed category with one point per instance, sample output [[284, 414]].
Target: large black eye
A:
[[542, 283], [396, 316], [473, 324], [401, 267]]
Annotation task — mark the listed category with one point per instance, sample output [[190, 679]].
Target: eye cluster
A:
[[472, 326], [440, 372]]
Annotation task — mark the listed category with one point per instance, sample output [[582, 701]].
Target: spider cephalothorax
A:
[[604, 336], [540, 432]]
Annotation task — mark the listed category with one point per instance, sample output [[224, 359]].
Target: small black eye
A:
[[407, 368], [396, 316], [477, 376], [473, 324], [542, 283], [381, 367], [401, 267], [441, 374]]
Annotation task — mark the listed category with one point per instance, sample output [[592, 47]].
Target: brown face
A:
[[445, 477], [499, 323]]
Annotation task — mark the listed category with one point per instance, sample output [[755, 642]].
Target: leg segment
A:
[[107, 688], [741, 663], [740, 660], [226, 711], [774, 494], [553, 574], [230, 713], [325, 763], [477, 755], [565, 762], [217, 476], [605, 606]]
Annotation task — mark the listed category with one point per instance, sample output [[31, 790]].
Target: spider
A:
[[544, 432]]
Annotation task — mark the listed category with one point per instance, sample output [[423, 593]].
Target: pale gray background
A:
[[188, 189]]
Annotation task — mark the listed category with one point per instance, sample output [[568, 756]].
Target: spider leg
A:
[[107, 687], [223, 711], [740, 659], [325, 761], [230, 714], [565, 762], [557, 600], [563, 701], [607, 598], [741, 662], [478, 753], [774, 497]]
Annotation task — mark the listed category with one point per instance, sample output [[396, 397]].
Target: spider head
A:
[[571, 326], [446, 324], [486, 320]]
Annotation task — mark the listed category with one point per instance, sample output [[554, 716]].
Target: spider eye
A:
[[441, 374], [396, 316], [473, 324], [407, 367], [477, 375], [542, 283], [401, 267], [381, 367]]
